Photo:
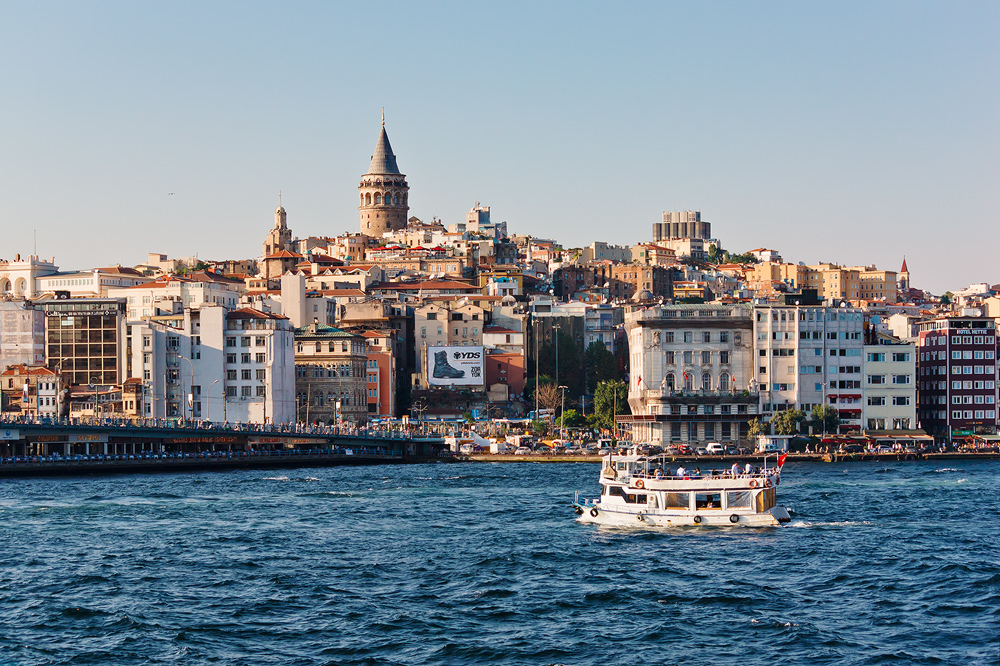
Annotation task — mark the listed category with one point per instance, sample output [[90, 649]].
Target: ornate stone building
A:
[[330, 375], [384, 192], [280, 236]]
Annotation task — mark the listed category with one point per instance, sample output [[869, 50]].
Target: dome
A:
[[508, 300], [644, 295]]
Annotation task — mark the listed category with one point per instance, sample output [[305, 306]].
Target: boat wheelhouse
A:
[[651, 491]]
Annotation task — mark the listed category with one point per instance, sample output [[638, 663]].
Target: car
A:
[[732, 451], [684, 449], [522, 451], [714, 448]]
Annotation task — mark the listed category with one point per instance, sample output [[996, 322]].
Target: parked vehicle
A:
[[714, 448]]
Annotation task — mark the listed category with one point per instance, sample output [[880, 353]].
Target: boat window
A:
[[738, 499], [676, 500], [631, 498], [708, 500]]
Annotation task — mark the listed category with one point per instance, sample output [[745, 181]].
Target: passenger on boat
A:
[[697, 471], [681, 471], [659, 473], [748, 470], [736, 469]]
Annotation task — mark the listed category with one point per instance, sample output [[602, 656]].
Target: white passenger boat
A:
[[651, 491]]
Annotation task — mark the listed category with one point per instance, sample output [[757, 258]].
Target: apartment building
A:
[[958, 376], [890, 387], [807, 356], [330, 375]]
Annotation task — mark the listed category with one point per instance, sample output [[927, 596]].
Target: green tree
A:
[[607, 396], [571, 419], [947, 298], [824, 418], [602, 365], [755, 428], [787, 422], [540, 427]]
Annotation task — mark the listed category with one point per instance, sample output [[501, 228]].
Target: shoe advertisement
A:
[[455, 366]]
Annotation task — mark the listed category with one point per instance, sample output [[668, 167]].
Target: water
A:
[[484, 564]]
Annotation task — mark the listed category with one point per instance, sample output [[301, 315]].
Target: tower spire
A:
[[383, 116]]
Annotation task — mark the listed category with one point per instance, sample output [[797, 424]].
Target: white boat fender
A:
[[697, 520], [640, 517], [578, 510], [594, 512], [734, 518], [753, 483]]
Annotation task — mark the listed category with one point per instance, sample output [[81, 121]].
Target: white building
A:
[[691, 377], [17, 277], [93, 283], [809, 355], [211, 364], [22, 334], [172, 293], [890, 387]]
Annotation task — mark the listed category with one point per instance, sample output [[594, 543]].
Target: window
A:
[[245, 341], [706, 336], [258, 341], [724, 336], [706, 358], [245, 391], [261, 358], [230, 342], [900, 400], [231, 376], [688, 336], [245, 358], [876, 400], [876, 379], [230, 358], [261, 375], [876, 357], [245, 374], [724, 357]]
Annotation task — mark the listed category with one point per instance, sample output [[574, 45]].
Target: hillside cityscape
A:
[[677, 339]]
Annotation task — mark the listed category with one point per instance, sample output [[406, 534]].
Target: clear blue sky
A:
[[853, 132]]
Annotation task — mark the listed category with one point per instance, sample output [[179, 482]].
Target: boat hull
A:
[[618, 516]]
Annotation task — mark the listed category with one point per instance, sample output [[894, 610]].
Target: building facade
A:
[[956, 358], [691, 376], [330, 375]]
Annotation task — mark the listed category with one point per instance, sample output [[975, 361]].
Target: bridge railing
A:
[[174, 425], [218, 456]]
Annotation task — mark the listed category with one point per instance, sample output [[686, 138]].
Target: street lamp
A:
[[208, 405], [562, 416], [184, 399]]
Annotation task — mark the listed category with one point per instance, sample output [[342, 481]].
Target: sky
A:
[[846, 132]]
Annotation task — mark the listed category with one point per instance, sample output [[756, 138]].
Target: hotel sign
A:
[[7, 435]]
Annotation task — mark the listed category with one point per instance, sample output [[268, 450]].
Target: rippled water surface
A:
[[484, 564]]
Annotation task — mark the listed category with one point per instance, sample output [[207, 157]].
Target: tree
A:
[[824, 418], [947, 298], [549, 396], [529, 388], [602, 365], [787, 422], [540, 427], [755, 428], [610, 399], [571, 419]]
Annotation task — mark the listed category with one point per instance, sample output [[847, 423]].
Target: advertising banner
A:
[[455, 366]]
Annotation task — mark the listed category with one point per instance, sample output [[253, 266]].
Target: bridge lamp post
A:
[[184, 398], [208, 405]]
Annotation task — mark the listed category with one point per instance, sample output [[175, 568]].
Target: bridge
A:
[[72, 446]]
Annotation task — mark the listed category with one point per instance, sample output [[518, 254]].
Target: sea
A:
[[484, 563]]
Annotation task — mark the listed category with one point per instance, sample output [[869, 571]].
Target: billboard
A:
[[454, 366]]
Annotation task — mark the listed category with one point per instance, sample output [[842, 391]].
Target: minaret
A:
[[384, 191], [903, 279]]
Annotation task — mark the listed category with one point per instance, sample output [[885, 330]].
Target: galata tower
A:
[[384, 206]]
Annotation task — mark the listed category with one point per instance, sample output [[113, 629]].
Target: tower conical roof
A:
[[383, 161], [903, 269]]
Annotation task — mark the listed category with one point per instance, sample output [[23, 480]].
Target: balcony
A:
[[681, 396]]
